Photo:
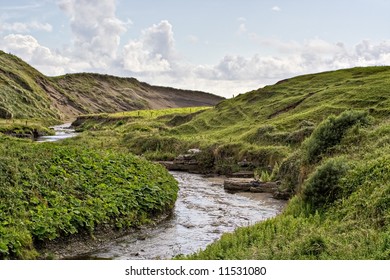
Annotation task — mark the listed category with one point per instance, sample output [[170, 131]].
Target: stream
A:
[[62, 132], [202, 213]]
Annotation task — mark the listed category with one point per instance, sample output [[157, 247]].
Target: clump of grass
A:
[[323, 186], [330, 133]]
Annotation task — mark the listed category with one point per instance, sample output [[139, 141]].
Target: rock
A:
[[264, 187], [238, 184], [282, 195], [243, 174], [250, 185], [187, 166], [193, 151]]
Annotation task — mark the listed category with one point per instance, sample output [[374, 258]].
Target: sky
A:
[[224, 47]]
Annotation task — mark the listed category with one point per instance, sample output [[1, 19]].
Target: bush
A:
[[323, 186], [289, 173], [153, 143], [329, 133], [206, 160], [298, 136]]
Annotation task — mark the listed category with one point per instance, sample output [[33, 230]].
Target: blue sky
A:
[[221, 46]]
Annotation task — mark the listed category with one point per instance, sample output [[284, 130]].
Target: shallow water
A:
[[62, 131], [203, 212]]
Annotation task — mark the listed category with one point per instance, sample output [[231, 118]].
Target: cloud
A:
[[28, 48], [96, 30], [23, 27], [242, 27], [193, 39], [154, 51], [276, 9], [22, 7], [152, 57], [307, 57]]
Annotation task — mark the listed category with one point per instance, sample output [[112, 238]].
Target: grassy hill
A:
[[264, 125], [26, 93], [325, 136]]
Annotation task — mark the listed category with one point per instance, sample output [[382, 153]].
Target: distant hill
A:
[[27, 93], [265, 116]]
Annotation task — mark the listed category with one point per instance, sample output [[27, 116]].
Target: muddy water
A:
[[62, 131], [203, 212]]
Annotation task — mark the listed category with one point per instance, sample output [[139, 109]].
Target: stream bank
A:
[[203, 212]]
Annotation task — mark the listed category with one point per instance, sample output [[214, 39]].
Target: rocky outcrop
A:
[[251, 185], [243, 174], [185, 162], [268, 187], [238, 184]]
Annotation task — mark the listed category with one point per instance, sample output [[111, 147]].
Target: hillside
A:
[[263, 125], [324, 137], [27, 93]]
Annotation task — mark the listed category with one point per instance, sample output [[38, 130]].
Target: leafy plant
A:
[[48, 191]]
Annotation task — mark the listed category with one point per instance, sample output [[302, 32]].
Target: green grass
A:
[[326, 134], [21, 96]]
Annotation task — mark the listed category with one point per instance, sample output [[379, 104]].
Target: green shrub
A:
[[155, 143], [368, 189], [313, 246], [329, 133], [206, 160], [290, 173], [323, 186], [298, 136]]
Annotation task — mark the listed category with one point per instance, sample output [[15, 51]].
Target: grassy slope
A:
[[20, 95], [25, 93], [341, 209], [336, 166]]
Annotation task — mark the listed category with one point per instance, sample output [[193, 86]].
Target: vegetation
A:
[[324, 136], [26, 93], [355, 226], [49, 191], [24, 128]]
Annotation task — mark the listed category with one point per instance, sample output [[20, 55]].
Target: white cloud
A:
[[276, 9], [242, 27], [28, 48], [308, 57], [23, 27], [193, 39], [154, 51], [152, 57], [21, 7], [96, 30]]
